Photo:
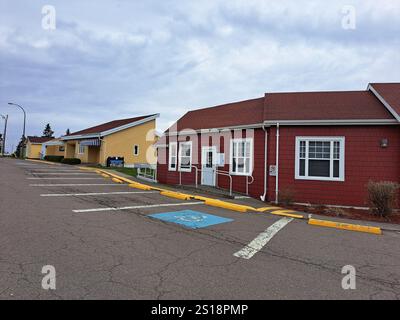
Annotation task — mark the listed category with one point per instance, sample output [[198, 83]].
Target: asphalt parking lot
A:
[[104, 243]]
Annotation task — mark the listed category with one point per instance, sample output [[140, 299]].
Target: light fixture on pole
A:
[[23, 132], [4, 134]]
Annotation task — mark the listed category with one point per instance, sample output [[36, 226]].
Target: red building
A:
[[323, 147]]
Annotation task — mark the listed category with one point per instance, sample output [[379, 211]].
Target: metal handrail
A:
[[226, 173], [247, 183], [197, 174]]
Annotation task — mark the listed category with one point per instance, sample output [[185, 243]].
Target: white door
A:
[[208, 166]]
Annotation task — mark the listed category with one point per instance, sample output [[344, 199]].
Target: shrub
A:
[[71, 161], [286, 196], [382, 197], [54, 158]]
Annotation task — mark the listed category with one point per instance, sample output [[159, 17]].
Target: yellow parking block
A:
[[287, 213], [140, 186], [345, 226], [263, 209], [117, 180], [176, 195], [201, 198], [227, 205]]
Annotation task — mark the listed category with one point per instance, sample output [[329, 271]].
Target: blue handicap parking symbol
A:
[[191, 219]]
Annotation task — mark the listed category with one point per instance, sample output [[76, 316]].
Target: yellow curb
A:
[[117, 180], [227, 205], [43, 161], [105, 175], [176, 195], [287, 213], [345, 226]]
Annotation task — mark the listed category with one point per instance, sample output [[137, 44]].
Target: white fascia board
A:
[[384, 102], [81, 137], [332, 122], [129, 125], [215, 130]]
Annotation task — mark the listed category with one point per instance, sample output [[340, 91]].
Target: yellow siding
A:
[[54, 151], [121, 144], [33, 150]]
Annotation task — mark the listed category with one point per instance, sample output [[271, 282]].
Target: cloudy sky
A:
[[114, 59]]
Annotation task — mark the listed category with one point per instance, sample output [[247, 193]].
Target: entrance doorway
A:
[[208, 166]]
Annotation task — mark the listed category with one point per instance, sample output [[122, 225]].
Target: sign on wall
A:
[[272, 170], [220, 159]]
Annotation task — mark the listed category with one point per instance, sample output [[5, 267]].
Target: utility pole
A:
[[4, 134]]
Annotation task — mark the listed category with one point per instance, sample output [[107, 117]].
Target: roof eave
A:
[[352, 122], [111, 131]]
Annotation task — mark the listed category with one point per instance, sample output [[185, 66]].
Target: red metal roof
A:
[[34, 139], [390, 92], [227, 115], [108, 126], [343, 105]]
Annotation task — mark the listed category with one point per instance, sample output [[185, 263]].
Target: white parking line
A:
[[76, 185], [78, 178], [138, 207], [93, 194], [263, 238]]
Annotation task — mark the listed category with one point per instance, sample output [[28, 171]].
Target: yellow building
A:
[[53, 147], [132, 139], [34, 146]]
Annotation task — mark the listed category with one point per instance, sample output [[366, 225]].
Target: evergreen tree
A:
[[47, 132], [19, 152], [67, 132]]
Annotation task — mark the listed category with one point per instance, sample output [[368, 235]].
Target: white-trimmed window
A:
[[320, 158], [135, 150], [173, 156], [81, 149], [185, 156], [241, 157]]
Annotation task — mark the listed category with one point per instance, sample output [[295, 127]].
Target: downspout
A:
[[277, 165], [264, 196]]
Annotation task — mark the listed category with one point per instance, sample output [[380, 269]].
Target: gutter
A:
[[264, 196], [277, 165]]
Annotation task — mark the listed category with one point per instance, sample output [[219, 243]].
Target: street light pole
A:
[[23, 132], [4, 134]]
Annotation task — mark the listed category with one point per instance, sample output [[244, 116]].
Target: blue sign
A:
[[191, 219]]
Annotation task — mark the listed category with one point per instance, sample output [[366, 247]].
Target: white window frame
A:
[[180, 156], [81, 149], [250, 169], [170, 155], [341, 159], [138, 151]]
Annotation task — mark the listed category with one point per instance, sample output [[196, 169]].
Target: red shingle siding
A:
[[364, 160], [238, 182]]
